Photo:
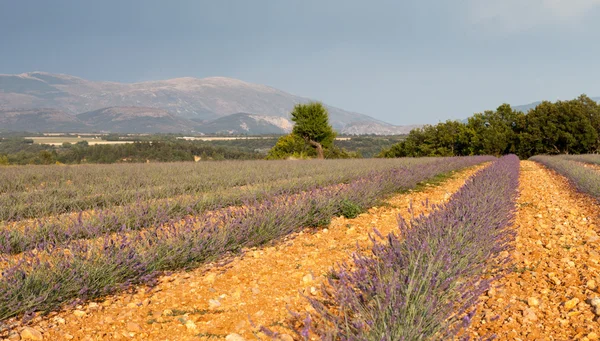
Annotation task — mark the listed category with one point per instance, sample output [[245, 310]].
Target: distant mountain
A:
[[241, 123], [37, 120], [369, 127], [185, 98], [135, 120]]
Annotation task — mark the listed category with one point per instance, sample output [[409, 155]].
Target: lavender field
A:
[[586, 180], [70, 234]]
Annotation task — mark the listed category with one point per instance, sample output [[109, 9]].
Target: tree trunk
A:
[[319, 148]]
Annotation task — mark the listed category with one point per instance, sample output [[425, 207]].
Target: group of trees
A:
[[312, 136], [563, 127], [21, 152]]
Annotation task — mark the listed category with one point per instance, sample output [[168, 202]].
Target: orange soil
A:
[[556, 262], [219, 300]]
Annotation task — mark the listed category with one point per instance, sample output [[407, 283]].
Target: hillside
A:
[[135, 120], [188, 98], [34, 120], [367, 127], [241, 123]]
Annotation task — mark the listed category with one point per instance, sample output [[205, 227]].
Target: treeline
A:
[[563, 127], [19, 151]]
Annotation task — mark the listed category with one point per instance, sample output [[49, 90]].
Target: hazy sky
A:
[[404, 62]]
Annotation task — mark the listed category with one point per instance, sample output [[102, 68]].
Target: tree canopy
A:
[[549, 128], [312, 135]]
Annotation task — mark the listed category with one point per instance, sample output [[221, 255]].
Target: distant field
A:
[[229, 138], [59, 140]]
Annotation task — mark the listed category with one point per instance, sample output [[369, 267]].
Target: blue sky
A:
[[404, 62]]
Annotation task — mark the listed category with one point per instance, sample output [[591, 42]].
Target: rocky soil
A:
[[552, 294]]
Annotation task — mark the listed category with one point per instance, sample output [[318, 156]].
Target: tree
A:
[[312, 125], [290, 146]]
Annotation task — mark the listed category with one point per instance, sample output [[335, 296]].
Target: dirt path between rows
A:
[[556, 262], [216, 302]]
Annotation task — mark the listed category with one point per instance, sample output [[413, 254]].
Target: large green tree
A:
[[549, 128], [312, 125]]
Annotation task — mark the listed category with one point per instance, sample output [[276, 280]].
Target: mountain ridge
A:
[[198, 99]]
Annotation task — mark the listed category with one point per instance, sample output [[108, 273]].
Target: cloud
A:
[[518, 15]]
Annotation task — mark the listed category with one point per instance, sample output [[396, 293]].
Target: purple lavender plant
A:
[[424, 285]]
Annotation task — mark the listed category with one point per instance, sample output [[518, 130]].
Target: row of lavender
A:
[[585, 179], [39, 191], [592, 159], [424, 282], [262, 184], [79, 270]]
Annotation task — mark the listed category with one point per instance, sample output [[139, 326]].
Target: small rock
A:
[[167, 312], [234, 337], [79, 313], [133, 327], [93, 305], [591, 284], [285, 337], [59, 320], [68, 336], [190, 325], [213, 304], [14, 337], [529, 315], [29, 333], [307, 278], [593, 336], [533, 302], [255, 290], [210, 278], [595, 302], [570, 304], [313, 290], [237, 294]]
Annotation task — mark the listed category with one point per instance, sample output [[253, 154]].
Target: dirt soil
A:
[[556, 263], [219, 301]]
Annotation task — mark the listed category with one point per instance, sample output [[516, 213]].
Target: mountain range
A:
[[40, 101]]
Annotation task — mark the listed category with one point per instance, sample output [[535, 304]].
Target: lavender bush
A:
[[585, 179], [423, 282], [80, 269]]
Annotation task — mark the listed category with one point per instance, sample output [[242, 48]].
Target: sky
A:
[[404, 62]]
